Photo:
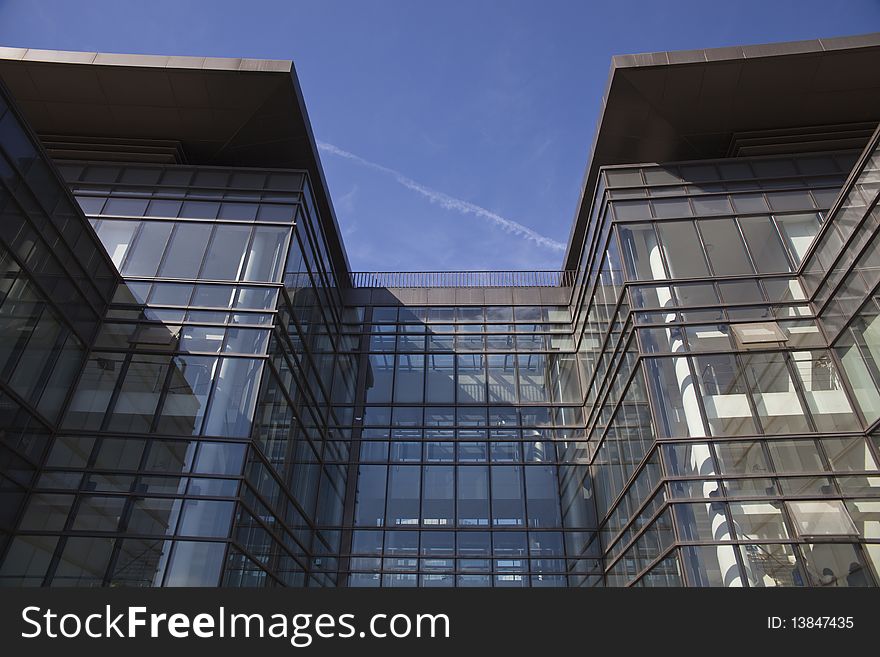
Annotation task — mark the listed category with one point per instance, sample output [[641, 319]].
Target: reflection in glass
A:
[[234, 399]]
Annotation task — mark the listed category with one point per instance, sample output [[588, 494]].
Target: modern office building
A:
[[196, 389]]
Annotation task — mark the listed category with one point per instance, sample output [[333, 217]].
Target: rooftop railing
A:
[[422, 279]]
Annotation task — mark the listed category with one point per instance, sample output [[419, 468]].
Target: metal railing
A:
[[422, 279]]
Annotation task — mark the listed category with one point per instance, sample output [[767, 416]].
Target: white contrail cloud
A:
[[448, 202]]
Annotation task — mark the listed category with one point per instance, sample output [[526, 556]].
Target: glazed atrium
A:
[[196, 389]]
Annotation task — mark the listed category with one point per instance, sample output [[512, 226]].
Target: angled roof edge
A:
[[650, 98], [146, 61], [226, 111]]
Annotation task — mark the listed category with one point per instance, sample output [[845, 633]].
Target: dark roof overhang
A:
[[223, 112], [689, 105]]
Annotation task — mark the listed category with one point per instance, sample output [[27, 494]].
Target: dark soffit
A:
[[224, 111], [688, 105]]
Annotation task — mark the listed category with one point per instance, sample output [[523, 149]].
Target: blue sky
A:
[[454, 134]]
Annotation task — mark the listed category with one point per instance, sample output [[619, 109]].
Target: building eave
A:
[[223, 111], [688, 105]]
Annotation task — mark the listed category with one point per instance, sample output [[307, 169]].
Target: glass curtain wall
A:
[[55, 285], [180, 456], [468, 412], [729, 347]]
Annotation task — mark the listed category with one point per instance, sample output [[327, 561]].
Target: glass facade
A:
[[176, 425], [225, 342], [741, 417], [55, 288], [196, 391], [468, 414]]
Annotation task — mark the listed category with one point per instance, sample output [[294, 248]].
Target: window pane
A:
[[771, 565], [440, 379], [46, 513], [508, 509], [235, 395], [859, 351], [238, 211], [740, 292], [406, 451], [673, 397], [682, 248], [473, 496], [141, 562], [98, 513], [206, 518], [866, 516], [821, 518], [641, 254], [714, 337], [672, 207], [163, 208], [403, 495], [116, 238], [798, 232], [70, 451], [266, 254], [687, 459], [83, 562], [439, 499], [779, 408], [90, 205], [707, 205], [790, 200], [795, 455], [374, 451], [379, 378], [758, 521], [195, 564], [702, 521], [139, 394], [220, 458], [848, 454], [745, 457], [226, 253], [724, 395], [542, 499], [824, 391], [119, 454], [471, 378], [174, 456], [93, 392], [188, 244], [835, 564], [26, 560], [502, 378], [725, 248], [145, 254], [710, 565], [748, 203], [381, 339], [439, 452], [409, 378], [246, 341], [370, 505], [200, 209], [187, 396], [532, 378], [783, 289], [625, 210], [764, 244]]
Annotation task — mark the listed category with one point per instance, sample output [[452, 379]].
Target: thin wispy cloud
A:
[[448, 202]]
